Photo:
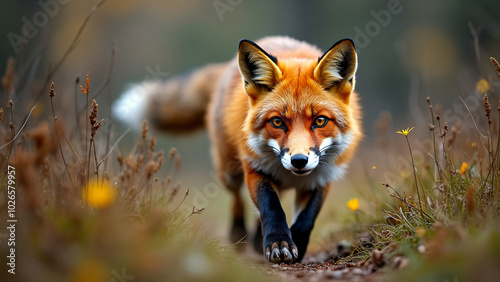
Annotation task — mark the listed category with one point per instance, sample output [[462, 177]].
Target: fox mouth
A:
[[301, 172]]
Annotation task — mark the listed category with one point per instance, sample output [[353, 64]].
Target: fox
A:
[[280, 115]]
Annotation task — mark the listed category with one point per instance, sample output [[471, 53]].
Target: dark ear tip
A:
[[348, 40], [245, 42], [352, 42]]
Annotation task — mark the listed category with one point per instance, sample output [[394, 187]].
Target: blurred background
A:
[[407, 50]]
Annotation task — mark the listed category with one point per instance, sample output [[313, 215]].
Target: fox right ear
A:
[[259, 69], [337, 67]]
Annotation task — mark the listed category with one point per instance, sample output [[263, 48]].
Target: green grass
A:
[[444, 215]]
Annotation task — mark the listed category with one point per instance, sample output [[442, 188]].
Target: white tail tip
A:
[[130, 107]]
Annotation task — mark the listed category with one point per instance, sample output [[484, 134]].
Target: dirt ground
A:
[[326, 271], [319, 267]]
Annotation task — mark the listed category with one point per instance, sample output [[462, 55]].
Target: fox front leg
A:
[[278, 245]]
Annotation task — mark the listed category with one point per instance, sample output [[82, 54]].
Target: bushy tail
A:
[[177, 105]]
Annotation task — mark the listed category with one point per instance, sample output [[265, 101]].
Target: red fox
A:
[[280, 115]]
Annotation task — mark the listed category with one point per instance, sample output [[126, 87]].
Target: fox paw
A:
[[280, 249]]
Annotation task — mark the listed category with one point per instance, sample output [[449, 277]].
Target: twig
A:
[[472, 117], [21, 129], [52, 94], [438, 166], [95, 161], [180, 204], [108, 79], [114, 145], [415, 175], [74, 43], [12, 126], [110, 71]]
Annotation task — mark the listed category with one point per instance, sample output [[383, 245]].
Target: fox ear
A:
[[259, 69], [336, 69]]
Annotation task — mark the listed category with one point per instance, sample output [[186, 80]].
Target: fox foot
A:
[[280, 248]]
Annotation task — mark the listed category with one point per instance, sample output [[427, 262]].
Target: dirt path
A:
[[318, 268], [326, 271]]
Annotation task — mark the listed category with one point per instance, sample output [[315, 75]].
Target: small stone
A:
[[300, 274], [336, 274], [358, 271], [378, 258], [400, 262], [276, 265]]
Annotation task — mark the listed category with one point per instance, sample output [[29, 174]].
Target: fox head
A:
[[300, 117]]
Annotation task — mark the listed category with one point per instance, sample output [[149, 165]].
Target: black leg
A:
[[278, 244], [301, 229]]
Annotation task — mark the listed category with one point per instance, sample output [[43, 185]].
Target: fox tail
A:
[[177, 105]]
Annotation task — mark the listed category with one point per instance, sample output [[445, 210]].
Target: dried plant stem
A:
[[88, 162], [57, 137], [183, 199], [105, 85], [494, 159], [110, 71], [71, 47], [442, 134], [477, 130], [438, 166], [87, 138], [114, 145], [416, 181], [21, 129], [12, 127], [496, 65], [77, 120], [95, 161]]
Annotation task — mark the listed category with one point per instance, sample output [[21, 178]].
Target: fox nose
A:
[[299, 161]]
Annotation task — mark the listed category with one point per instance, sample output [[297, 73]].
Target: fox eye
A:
[[277, 122], [320, 121]]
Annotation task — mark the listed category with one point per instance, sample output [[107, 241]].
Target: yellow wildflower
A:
[[463, 168], [482, 86], [374, 167], [473, 144], [420, 231], [353, 204], [405, 132], [99, 194], [90, 270], [405, 173]]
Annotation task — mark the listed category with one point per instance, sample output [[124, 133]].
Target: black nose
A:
[[299, 161]]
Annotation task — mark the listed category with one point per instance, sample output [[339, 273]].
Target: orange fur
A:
[[232, 116], [309, 94]]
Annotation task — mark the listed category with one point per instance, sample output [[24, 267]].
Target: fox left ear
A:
[[259, 69], [336, 69]]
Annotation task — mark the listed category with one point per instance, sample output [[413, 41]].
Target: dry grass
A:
[[442, 221], [81, 218]]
